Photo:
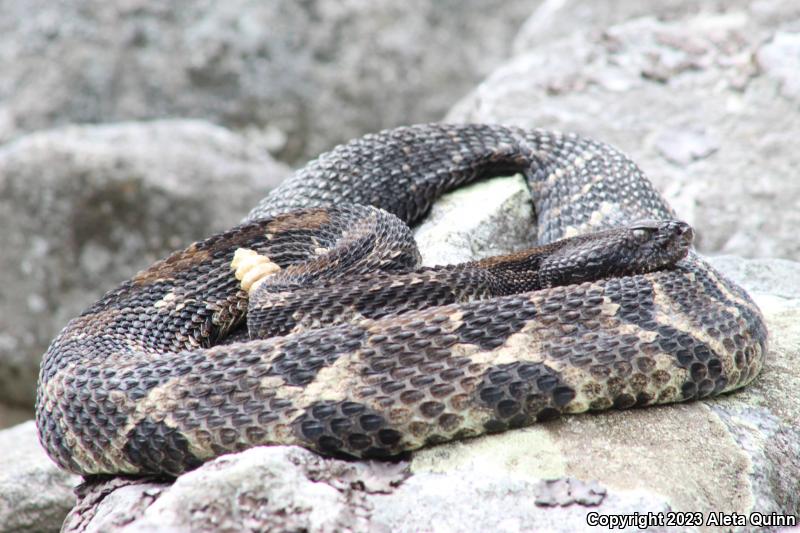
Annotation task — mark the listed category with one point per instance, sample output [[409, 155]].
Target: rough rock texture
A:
[[34, 494], [702, 95], [306, 75], [291, 489], [739, 453], [486, 219], [83, 208], [263, 489]]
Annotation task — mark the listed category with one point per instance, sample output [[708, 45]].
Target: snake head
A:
[[656, 244], [642, 247]]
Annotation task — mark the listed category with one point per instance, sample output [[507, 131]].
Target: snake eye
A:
[[643, 231]]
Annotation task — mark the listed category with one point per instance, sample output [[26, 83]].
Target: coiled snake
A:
[[160, 375]]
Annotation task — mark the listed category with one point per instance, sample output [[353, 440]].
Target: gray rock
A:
[[737, 454], [685, 146], [486, 219], [556, 18], [700, 94], [263, 489], [34, 494], [83, 208], [780, 59], [461, 500], [302, 76], [777, 277]]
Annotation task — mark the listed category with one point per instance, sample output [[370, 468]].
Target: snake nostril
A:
[[685, 233]]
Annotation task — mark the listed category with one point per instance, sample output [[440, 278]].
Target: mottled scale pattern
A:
[[340, 351]]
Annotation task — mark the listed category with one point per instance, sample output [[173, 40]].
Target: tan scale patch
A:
[[579, 380], [588, 390], [311, 219], [416, 428], [89, 325], [472, 351], [177, 262], [113, 458], [600, 215], [332, 383], [167, 301], [632, 329], [159, 405], [665, 366], [455, 319], [338, 383], [669, 313], [608, 308], [156, 404], [304, 322], [525, 345], [759, 360], [335, 383], [728, 294]]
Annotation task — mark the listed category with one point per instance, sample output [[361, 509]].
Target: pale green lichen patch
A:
[[529, 453], [682, 452]]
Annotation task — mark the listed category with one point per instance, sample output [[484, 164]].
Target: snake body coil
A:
[[160, 374]]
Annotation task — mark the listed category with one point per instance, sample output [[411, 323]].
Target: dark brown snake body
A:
[[358, 352]]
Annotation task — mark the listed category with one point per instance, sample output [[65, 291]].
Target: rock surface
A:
[[303, 75], [83, 208], [739, 453], [34, 494], [488, 218], [702, 95]]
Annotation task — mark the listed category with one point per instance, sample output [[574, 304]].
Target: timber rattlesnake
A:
[[159, 375]]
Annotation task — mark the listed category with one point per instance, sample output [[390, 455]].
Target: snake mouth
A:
[[683, 239], [685, 234], [673, 246]]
